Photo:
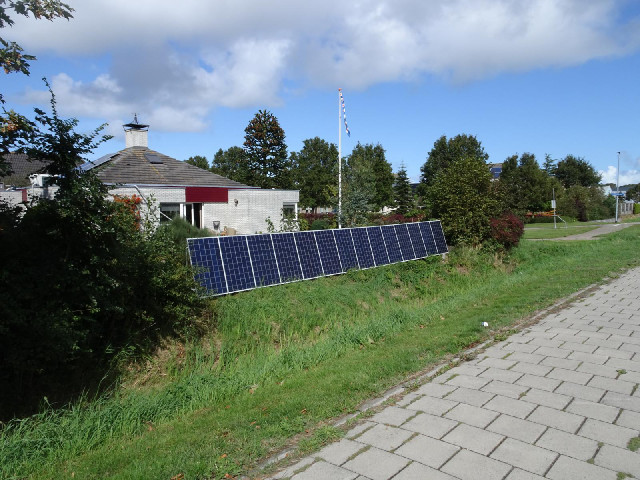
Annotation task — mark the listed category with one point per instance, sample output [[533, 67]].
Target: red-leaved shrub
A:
[[507, 229]]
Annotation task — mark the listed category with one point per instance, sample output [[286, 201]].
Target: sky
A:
[[553, 77]]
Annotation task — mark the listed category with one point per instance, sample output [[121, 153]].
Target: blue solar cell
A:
[[263, 259], [346, 250], [416, 240], [287, 257], [237, 263], [308, 253], [406, 248], [328, 252], [438, 235], [363, 247], [377, 246], [205, 257], [391, 242], [427, 236]]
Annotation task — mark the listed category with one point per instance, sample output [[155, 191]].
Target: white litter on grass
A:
[[485, 324]]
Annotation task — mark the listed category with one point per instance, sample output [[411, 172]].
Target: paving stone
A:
[[611, 385], [339, 452], [435, 406], [385, 437], [568, 444], [517, 474], [290, 471], [629, 419], [582, 392], [630, 347], [393, 416], [496, 351], [467, 381], [548, 399], [526, 357], [623, 401], [610, 352], [546, 342], [408, 398], [471, 397], [358, 429], [478, 417], [324, 470], [531, 368], [430, 425], [520, 347], [602, 370], [467, 465], [619, 460], [619, 364], [567, 468], [376, 464], [428, 451], [510, 406], [417, 471], [603, 343], [505, 389], [578, 347], [503, 364], [565, 363], [593, 410], [570, 376], [569, 422], [517, 428], [474, 439], [586, 357], [541, 383], [435, 389], [464, 369], [607, 433], [507, 376], [524, 455]]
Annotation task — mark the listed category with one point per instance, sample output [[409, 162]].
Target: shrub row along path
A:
[[558, 400]]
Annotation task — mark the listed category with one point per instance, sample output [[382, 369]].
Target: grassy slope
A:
[[544, 233], [285, 359]]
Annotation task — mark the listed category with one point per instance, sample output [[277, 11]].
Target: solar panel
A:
[[237, 264], [328, 251], [232, 264], [346, 250], [416, 240], [391, 242], [263, 259], [406, 248], [309, 256], [378, 246], [362, 245], [438, 236]]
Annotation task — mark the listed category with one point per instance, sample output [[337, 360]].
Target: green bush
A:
[[636, 208], [319, 225]]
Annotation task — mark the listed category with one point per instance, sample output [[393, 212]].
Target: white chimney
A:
[[135, 134]]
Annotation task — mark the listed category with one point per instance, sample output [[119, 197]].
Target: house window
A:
[[169, 211], [193, 214], [289, 209]]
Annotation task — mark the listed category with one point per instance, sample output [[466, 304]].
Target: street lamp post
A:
[[617, 186]]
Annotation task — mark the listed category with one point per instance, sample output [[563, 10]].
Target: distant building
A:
[[496, 170]]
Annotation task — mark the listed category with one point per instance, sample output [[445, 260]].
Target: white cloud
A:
[[177, 63], [627, 177]]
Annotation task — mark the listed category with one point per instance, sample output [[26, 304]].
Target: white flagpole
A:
[[339, 161]]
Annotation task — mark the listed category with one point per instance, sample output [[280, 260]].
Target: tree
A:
[[372, 159], [549, 165], [462, 196], [232, 164], [524, 185], [198, 161], [402, 191], [576, 171], [358, 194], [633, 193], [445, 152], [315, 171], [266, 152]]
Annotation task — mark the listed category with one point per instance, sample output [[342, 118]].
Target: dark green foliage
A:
[[268, 163], [634, 193], [319, 225], [445, 152], [549, 165], [576, 171], [585, 203], [232, 164], [507, 230], [369, 161], [198, 161], [316, 173], [402, 192], [178, 230], [463, 198], [524, 186]]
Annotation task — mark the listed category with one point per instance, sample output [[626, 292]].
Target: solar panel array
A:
[[243, 262]]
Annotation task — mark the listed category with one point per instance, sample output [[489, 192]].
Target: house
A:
[[26, 179], [496, 170], [171, 188]]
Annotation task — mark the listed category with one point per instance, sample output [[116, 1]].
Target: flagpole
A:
[[339, 161]]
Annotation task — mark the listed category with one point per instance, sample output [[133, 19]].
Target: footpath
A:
[[558, 400]]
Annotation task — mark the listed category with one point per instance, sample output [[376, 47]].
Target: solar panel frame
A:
[[232, 264]]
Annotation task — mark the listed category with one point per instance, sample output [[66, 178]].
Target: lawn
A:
[[282, 361], [546, 233]]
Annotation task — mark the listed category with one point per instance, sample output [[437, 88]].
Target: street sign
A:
[[618, 194]]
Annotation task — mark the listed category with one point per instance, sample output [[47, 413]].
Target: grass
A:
[[282, 361], [546, 233]]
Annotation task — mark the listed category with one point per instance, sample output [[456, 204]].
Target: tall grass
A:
[[273, 335]]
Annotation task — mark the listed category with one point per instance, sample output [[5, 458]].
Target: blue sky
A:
[[539, 76]]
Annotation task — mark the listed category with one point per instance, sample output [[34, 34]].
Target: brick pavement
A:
[[558, 400]]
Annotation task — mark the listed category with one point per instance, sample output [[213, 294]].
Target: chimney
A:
[[135, 134]]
